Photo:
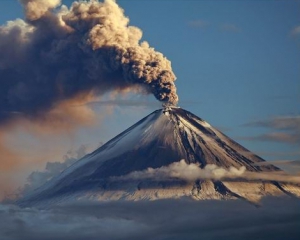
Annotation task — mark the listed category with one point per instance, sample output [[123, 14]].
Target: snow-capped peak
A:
[[162, 138]]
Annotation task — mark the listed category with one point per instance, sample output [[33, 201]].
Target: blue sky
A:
[[237, 65]]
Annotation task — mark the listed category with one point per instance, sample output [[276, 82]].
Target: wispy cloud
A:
[[224, 27], [296, 31], [284, 129], [279, 154], [290, 166], [229, 27], [199, 23], [280, 123], [275, 137], [281, 162]]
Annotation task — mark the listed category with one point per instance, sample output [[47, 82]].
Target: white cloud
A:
[[192, 172], [188, 172]]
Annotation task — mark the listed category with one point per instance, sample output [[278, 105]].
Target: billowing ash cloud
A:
[[192, 172], [58, 54]]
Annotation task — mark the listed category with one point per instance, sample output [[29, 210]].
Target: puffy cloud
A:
[[188, 172], [192, 172], [35, 9]]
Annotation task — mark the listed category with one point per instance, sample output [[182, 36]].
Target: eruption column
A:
[[59, 54]]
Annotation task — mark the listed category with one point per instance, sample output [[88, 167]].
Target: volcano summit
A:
[[145, 162]]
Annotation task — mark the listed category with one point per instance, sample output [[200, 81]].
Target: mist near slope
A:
[[39, 177], [178, 170], [275, 219]]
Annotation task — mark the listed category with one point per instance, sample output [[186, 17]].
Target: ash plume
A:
[[58, 54]]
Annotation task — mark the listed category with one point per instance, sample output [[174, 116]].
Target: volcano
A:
[[163, 137]]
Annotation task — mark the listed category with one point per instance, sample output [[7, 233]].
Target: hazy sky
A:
[[237, 65]]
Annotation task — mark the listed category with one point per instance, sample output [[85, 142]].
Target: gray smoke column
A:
[[61, 53]]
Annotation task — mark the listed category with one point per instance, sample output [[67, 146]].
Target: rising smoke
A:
[[59, 54]]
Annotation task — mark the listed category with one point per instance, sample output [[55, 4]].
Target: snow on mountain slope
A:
[[160, 139]]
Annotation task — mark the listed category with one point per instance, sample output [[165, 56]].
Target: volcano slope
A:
[[162, 138]]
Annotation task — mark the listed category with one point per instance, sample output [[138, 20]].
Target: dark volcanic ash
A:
[[59, 54]]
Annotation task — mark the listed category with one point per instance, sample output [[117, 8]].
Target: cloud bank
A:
[[179, 219]]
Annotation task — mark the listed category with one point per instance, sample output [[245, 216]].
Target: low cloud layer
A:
[[192, 172], [275, 219]]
